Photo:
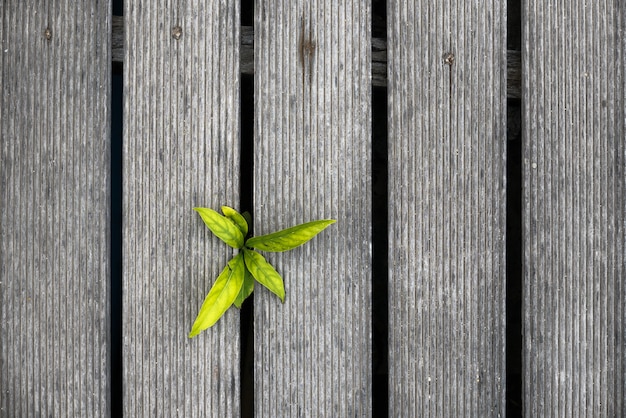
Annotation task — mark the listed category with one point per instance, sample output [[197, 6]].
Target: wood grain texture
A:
[[54, 208], [312, 161], [181, 150], [117, 39], [447, 159], [574, 208], [379, 58]]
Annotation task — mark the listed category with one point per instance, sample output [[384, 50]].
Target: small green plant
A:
[[236, 282]]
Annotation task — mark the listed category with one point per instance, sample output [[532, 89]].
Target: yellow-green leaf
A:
[[236, 217], [222, 227], [246, 215], [246, 289], [221, 296], [264, 273], [289, 238]]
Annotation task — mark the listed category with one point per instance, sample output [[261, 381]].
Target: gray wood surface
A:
[[447, 152], [312, 161], [54, 208], [379, 58], [181, 150], [575, 203]]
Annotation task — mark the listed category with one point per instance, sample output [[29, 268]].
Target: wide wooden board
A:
[[574, 208], [447, 169], [312, 161], [181, 150], [54, 208]]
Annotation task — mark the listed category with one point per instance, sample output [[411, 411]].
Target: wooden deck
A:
[[411, 304]]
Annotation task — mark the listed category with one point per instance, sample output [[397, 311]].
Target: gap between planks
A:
[[379, 58]]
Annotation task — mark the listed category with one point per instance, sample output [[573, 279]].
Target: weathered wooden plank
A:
[[447, 151], [181, 150], [117, 39], [54, 208], [574, 208], [312, 161], [379, 58]]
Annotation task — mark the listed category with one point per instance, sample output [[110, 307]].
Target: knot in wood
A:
[[308, 47], [448, 58], [177, 32], [48, 33]]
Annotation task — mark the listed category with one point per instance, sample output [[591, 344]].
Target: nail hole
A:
[[177, 31], [448, 58], [48, 33]]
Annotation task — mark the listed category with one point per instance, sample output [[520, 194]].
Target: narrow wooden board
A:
[[574, 208], [447, 165], [312, 161], [54, 208], [181, 150]]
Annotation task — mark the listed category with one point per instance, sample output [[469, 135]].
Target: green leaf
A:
[[222, 227], [289, 238], [221, 296], [236, 217], [246, 215], [246, 289], [264, 273]]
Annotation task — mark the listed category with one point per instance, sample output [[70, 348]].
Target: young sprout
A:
[[236, 282]]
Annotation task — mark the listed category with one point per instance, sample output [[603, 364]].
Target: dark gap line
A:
[[380, 308], [246, 202], [116, 389], [514, 262], [514, 234], [380, 275], [116, 273]]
